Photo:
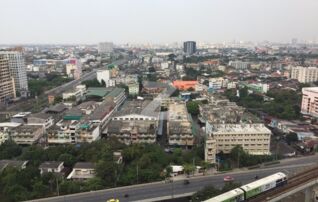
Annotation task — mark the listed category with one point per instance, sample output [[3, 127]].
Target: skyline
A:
[[156, 22]]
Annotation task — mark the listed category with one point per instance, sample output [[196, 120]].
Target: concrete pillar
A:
[[308, 194], [315, 193]]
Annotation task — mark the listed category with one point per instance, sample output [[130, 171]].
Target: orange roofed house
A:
[[184, 85]]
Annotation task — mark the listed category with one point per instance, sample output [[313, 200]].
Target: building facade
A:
[[105, 47], [17, 70], [105, 76], [254, 139], [304, 74], [189, 47], [179, 126], [239, 65], [309, 103], [7, 87]]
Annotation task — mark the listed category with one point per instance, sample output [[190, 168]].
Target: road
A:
[[88, 76], [160, 189]]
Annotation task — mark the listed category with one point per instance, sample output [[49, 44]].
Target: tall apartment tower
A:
[[7, 88], [304, 74], [189, 47], [17, 70], [105, 47]]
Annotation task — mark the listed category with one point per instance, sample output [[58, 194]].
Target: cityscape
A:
[[193, 115]]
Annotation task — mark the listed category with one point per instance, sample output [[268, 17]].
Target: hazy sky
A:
[[156, 21]]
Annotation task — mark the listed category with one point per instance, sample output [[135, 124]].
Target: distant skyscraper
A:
[[7, 88], [105, 47], [294, 41], [189, 47], [17, 70]]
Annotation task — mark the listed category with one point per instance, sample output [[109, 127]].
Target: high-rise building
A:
[[309, 103], [189, 47], [17, 70], [239, 65], [7, 88], [105, 47], [294, 41], [304, 74]]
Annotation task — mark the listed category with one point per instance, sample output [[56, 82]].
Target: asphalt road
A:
[[160, 189], [88, 76]]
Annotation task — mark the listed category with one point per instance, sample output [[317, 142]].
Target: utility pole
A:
[[57, 187], [137, 174], [193, 163], [172, 187], [238, 159]]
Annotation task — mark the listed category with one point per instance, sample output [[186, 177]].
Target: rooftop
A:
[[84, 165], [132, 126], [50, 164], [240, 128], [12, 163], [310, 89], [132, 107]]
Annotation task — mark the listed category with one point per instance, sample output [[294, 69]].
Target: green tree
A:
[[39, 190], [92, 83], [9, 149], [291, 138], [206, 193], [94, 184], [193, 107], [70, 187], [188, 168], [16, 193], [68, 159]]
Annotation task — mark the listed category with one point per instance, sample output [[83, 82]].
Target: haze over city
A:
[[159, 100], [159, 21]]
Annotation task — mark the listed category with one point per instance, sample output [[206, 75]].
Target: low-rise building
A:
[[5, 130], [184, 85], [179, 126], [254, 139], [12, 163], [133, 89], [217, 83], [133, 125], [40, 119], [51, 167], [132, 132], [76, 94], [26, 134], [82, 171], [153, 88]]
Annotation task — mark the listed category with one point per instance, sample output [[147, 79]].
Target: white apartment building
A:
[[105, 47], [105, 75], [7, 87], [77, 93], [304, 74], [179, 125], [17, 70], [74, 69], [254, 139], [309, 103], [217, 83], [133, 88], [239, 65]]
